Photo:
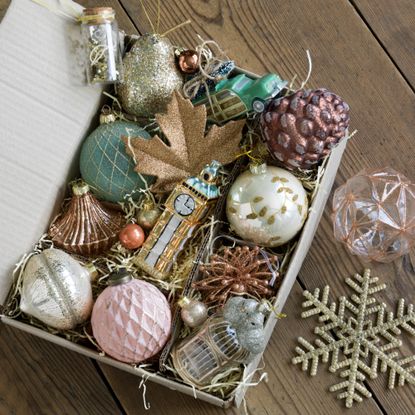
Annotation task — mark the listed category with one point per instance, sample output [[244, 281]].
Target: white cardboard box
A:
[[44, 116]]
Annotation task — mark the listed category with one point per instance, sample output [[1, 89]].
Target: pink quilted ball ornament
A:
[[131, 319]]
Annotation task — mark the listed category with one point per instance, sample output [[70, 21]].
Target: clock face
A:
[[184, 204]]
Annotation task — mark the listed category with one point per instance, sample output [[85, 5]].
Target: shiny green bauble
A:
[[105, 164]]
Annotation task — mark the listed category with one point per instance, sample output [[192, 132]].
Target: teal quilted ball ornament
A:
[[106, 166]]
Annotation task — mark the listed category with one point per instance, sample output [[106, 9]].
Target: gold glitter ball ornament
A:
[[148, 216], [150, 76], [266, 205]]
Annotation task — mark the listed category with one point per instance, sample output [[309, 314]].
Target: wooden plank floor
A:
[[362, 49]]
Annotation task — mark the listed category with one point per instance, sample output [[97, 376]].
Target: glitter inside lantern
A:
[[374, 214]]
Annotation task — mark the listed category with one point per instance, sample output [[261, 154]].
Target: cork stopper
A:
[[98, 15]]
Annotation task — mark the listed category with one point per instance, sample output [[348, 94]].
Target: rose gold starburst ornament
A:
[[374, 214], [131, 319], [238, 271]]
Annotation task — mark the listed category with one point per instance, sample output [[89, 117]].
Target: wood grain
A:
[[265, 36], [288, 390], [38, 377], [393, 23]]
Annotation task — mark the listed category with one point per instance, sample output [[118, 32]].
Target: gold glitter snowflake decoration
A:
[[360, 330], [238, 271]]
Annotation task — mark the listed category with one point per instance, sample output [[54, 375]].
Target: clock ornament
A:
[[187, 207]]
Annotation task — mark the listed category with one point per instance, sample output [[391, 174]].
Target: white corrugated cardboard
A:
[[44, 116]]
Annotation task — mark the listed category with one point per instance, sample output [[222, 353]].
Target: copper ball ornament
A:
[[132, 236], [188, 61], [304, 127]]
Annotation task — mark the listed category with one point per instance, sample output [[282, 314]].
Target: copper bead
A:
[[189, 61], [132, 236]]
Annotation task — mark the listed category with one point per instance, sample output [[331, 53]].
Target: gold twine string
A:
[[176, 27], [147, 16], [207, 64], [143, 385]]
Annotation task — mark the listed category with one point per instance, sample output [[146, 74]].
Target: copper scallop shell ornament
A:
[[86, 228]]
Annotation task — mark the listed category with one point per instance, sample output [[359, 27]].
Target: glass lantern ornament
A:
[[57, 289], [102, 45], [374, 214], [225, 340]]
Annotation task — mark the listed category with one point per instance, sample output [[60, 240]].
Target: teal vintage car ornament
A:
[[240, 94]]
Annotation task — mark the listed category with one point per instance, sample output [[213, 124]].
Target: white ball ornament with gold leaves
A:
[[267, 205]]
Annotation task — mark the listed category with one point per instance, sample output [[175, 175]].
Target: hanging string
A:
[[208, 63], [147, 16], [176, 27], [142, 384]]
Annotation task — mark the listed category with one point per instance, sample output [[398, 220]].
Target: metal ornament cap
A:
[[267, 208]]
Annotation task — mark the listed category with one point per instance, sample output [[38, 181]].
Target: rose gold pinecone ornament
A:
[[302, 128]]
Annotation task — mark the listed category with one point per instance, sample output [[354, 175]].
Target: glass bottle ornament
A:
[[131, 319], [87, 228], [150, 76], [105, 164], [56, 289], [266, 205], [225, 340], [373, 214], [193, 312], [102, 45]]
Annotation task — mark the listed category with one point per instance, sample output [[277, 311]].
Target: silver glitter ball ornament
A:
[[150, 76], [56, 289], [193, 312]]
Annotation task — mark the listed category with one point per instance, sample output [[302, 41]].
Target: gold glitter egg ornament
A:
[[266, 205], [150, 76], [57, 289]]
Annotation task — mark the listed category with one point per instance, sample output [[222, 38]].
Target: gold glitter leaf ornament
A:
[[359, 337], [189, 150]]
